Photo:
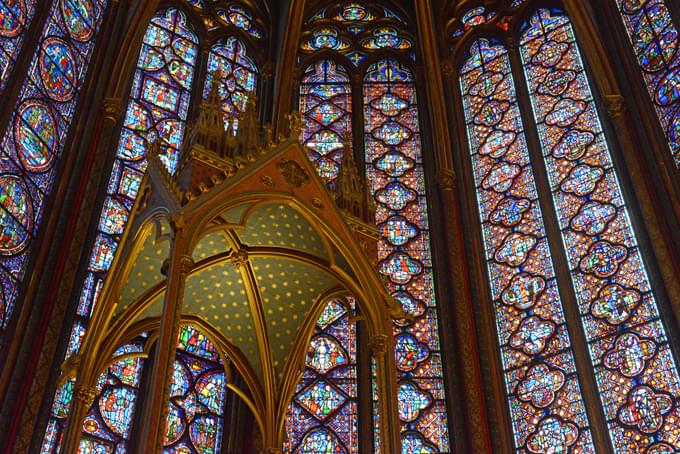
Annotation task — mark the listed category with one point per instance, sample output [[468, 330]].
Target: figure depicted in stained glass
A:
[[197, 395], [618, 308], [108, 424], [15, 19], [323, 416]]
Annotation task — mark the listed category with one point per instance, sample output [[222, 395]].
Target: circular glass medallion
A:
[[16, 215], [35, 136], [79, 18], [58, 69], [12, 18]]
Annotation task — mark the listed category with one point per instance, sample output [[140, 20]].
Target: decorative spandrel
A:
[[195, 418], [323, 416], [396, 179], [540, 371], [32, 145], [656, 44], [635, 370], [15, 20], [326, 104]]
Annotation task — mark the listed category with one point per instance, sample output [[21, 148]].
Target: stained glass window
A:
[[396, 180], [108, 424], [323, 416], [157, 109], [539, 367], [326, 104], [353, 21], [392, 153], [240, 17], [197, 396], [636, 374], [656, 44], [15, 18], [237, 74], [32, 144]]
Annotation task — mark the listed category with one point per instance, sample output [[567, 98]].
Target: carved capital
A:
[[379, 345], [86, 395], [177, 223], [111, 108], [239, 258], [447, 69], [267, 70], [615, 104], [511, 44], [446, 179], [186, 264]]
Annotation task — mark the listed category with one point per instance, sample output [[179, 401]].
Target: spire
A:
[[350, 192], [211, 132]]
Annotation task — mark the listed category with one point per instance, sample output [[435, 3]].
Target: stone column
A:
[[156, 401]]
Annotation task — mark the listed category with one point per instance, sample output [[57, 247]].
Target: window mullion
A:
[[583, 365]]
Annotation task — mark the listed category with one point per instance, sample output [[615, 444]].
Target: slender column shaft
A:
[[156, 405], [383, 353]]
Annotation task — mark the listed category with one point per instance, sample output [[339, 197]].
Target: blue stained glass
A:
[[395, 175], [32, 144], [15, 19], [323, 415], [326, 105], [536, 354], [237, 75], [656, 44], [109, 421], [634, 367], [197, 396]]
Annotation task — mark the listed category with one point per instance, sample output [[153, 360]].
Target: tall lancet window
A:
[[637, 376], [15, 19], [357, 78], [32, 144], [656, 44], [529, 316], [157, 112], [558, 239]]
